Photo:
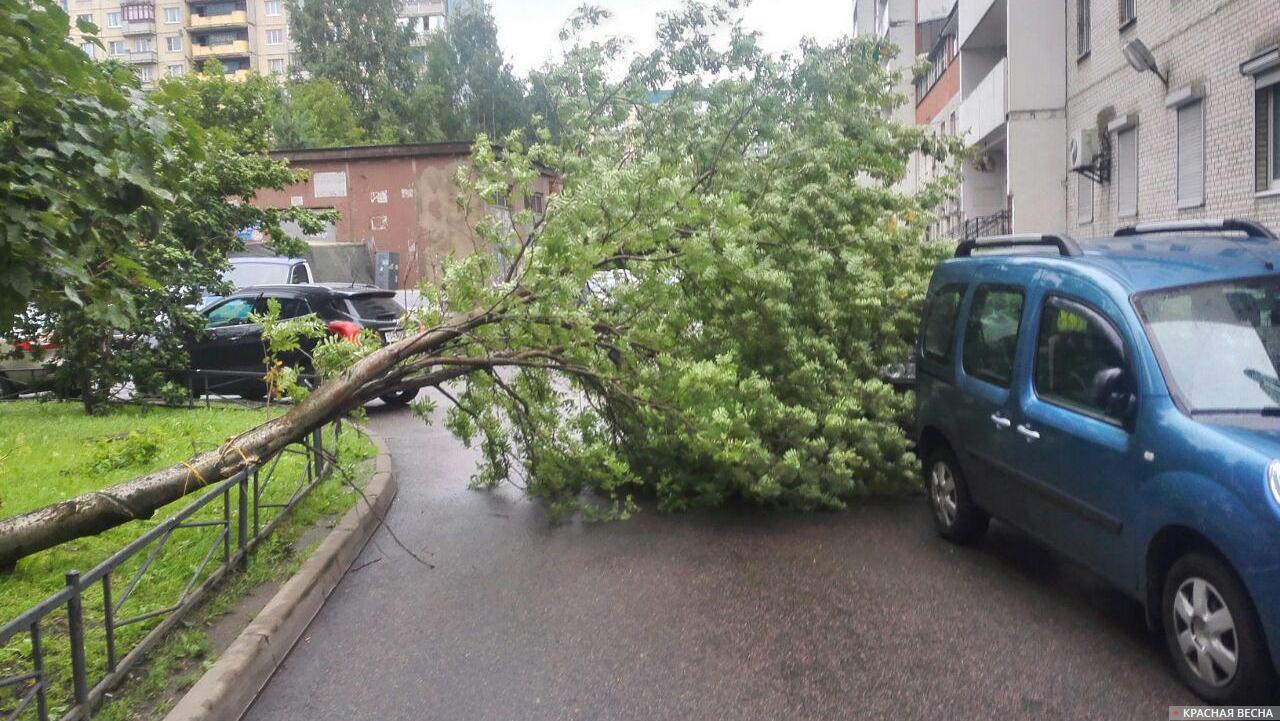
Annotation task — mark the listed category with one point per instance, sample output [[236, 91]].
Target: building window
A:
[[176, 71], [145, 74], [435, 22], [87, 47], [1127, 172], [1084, 199], [1191, 155], [143, 45], [116, 47], [1083, 23], [273, 8], [173, 43], [1267, 134], [172, 16], [114, 20], [1128, 12], [86, 19], [139, 13], [275, 37], [276, 66]]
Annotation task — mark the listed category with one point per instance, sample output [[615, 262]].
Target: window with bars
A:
[[1083, 29], [1128, 12]]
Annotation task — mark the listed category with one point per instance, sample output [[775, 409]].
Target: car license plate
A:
[[392, 336]]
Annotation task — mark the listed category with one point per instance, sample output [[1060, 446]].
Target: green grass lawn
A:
[[52, 451]]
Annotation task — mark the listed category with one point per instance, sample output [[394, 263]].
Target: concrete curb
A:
[[227, 689]]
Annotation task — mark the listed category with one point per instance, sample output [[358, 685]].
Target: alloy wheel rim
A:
[[1206, 632], [942, 491]]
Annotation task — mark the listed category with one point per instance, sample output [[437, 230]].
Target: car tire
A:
[[399, 400], [954, 514], [1202, 642]]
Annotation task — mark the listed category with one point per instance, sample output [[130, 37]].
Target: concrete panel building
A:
[[1206, 144], [396, 199], [165, 38]]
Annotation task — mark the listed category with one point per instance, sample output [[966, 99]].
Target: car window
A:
[[300, 274], [1079, 358], [991, 335], [233, 312], [940, 323], [289, 307], [376, 307]]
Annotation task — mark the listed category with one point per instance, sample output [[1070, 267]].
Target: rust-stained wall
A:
[[396, 198]]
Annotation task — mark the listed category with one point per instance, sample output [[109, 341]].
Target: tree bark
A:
[[97, 511]]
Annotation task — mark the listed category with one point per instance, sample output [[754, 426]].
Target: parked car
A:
[[1120, 401], [229, 359], [26, 367], [253, 271]]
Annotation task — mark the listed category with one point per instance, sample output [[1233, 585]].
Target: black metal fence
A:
[[999, 223], [246, 516]]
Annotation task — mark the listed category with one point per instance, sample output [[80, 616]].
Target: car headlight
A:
[[1273, 479]]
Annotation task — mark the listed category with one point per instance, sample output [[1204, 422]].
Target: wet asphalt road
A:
[[725, 615]]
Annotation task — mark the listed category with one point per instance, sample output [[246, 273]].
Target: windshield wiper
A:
[[1269, 384]]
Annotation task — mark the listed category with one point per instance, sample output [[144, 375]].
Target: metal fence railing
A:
[[1000, 223], [235, 514]]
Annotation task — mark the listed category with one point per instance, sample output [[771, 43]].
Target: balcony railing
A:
[[233, 49], [231, 19], [139, 27], [985, 110], [141, 57], [1000, 223]]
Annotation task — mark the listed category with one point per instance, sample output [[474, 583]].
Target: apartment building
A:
[[937, 99], [1188, 127], [163, 38]]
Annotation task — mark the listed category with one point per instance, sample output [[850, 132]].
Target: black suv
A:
[[230, 356]]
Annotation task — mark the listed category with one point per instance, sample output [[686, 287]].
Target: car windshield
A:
[[1219, 344], [245, 274]]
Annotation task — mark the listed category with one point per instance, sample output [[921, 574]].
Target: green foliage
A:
[[749, 264], [121, 207], [359, 46], [131, 449], [475, 89], [314, 113]]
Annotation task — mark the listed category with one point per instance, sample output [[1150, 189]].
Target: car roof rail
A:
[[1221, 225], [1066, 245]]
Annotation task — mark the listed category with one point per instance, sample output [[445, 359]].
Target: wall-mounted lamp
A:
[[1141, 60]]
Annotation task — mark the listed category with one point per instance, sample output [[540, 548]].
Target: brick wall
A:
[[1195, 42]]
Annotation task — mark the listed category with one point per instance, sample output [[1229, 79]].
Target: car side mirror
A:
[[1113, 391]]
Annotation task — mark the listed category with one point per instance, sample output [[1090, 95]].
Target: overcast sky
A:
[[528, 29]]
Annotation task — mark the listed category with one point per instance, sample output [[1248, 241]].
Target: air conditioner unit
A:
[[1083, 149]]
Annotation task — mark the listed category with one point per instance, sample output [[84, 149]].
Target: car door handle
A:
[[1028, 433], [1000, 421]]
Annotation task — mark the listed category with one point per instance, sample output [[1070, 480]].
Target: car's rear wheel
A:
[[954, 514], [1213, 633], [400, 399]]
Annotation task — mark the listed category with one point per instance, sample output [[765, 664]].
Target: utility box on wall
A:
[[386, 270]]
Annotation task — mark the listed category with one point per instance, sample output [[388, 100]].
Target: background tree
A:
[[464, 64], [359, 46], [119, 208], [314, 113]]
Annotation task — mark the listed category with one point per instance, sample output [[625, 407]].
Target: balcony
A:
[[225, 50], [239, 18], [141, 57], [986, 109], [139, 27], [413, 8]]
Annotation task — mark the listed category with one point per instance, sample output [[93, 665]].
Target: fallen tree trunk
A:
[[97, 511]]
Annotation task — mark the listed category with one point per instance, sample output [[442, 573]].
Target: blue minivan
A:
[[1119, 399]]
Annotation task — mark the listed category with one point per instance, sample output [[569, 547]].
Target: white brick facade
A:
[[1197, 43]]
